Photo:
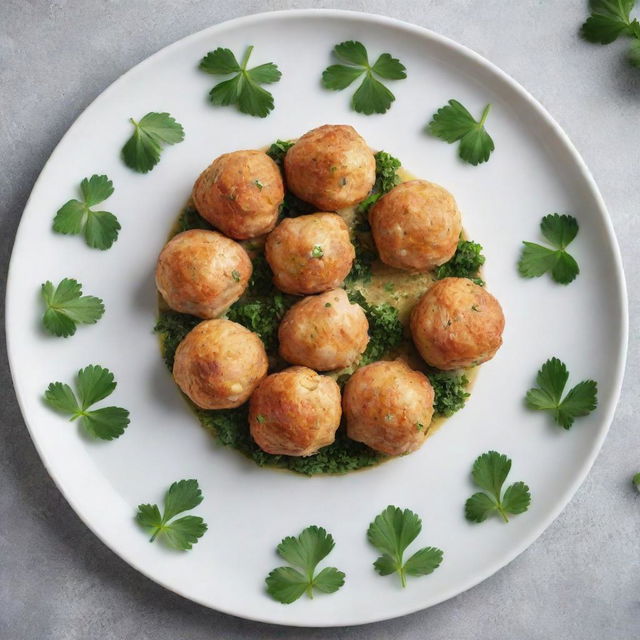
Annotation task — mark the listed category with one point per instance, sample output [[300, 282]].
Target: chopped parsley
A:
[[466, 263], [278, 150], [450, 392]]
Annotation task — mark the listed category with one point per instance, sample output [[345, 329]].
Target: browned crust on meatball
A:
[[289, 250], [389, 407], [324, 332], [416, 226], [202, 273], [219, 364], [295, 412], [457, 324], [240, 193], [331, 167]]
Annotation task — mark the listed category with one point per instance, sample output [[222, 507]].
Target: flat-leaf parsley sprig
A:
[[142, 151], [371, 96], [93, 383], [243, 89], [287, 584], [391, 533], [547, 396], [453, 123], [66, 307], [489, 472], [609, 20], [181, 533], [75, 217], [536, 260]]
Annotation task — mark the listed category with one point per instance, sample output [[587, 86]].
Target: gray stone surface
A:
[[580, 580]]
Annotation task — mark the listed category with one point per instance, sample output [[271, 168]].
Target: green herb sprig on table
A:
[[547, 396], [371, 96], [391, 533], [142, 151], [75, 217], [66, 307], [490, 470], [453, 123], [243, 89], [181, 533], [287, 584], [609, 20], [536, 260], [93, 383]]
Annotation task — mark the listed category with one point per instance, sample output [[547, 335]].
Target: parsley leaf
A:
[[371, 96], [287, 584], [547, 396], [243, 89], [182, 533], [75, 217], [636, 481], [560, 231], [466, 263], [391, 533], [489, 472], [453, 122], [634, 52], [608, 20], [93, 383], [66, 307], [142, 151]]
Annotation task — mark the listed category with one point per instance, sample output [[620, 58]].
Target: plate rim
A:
[[579, 163]]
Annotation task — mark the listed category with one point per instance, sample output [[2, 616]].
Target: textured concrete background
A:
[[580, 580]]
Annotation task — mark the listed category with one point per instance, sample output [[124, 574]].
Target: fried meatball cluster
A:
[[389, 407], [416, 226], [330, 167], [295, 412], [202, 273], [457, 324], [240, 194], [310, 254], [324, 332], [220, 364]]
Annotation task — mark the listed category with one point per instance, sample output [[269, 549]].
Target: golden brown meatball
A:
[[295, 412], [457, 324], [202, 273], [219, 364], [389, 407], [416, 226], [240, 193], [331, 167], [310, 254], [324, 332]]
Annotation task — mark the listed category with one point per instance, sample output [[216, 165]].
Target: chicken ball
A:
[[219, 364], [310, 254], [389, 407], [324, 332], [457, 324], [416, 226], [240, 193], [295, 412], [202, 273], [331, 167]]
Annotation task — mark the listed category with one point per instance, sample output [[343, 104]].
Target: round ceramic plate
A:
[[534, 171]]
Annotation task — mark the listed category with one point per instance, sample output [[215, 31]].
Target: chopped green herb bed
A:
[[465, 263]]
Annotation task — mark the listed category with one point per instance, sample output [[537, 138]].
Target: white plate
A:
[[534, 171]]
